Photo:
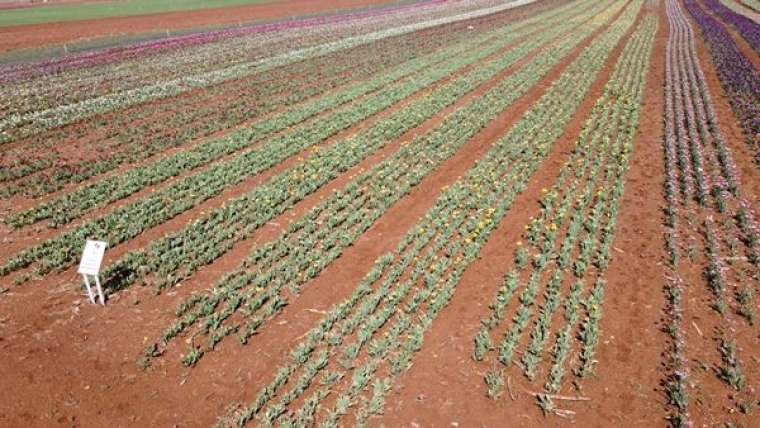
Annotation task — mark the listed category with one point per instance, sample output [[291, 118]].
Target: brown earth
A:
[[73, 364], [75, 391], [713, 401], [57, 33], [444, 375]]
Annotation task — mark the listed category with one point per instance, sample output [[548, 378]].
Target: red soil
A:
[[99, 380], [39, 35], [69, 363], [444, 374]]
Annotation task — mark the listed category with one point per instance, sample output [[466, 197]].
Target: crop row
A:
[[36, 121], [327, 110], [735, 5], [748, 28], [676, 363], [259, 287], [160, 206], [710, 227], [210, 237], [278, 193], [754, 4], [153, 47], [138, 133], [737, 74], [171, 58], [569, 242], [374, 334]]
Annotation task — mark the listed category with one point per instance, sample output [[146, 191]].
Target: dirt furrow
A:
[[743, 154], [444, 372], [118, 353]]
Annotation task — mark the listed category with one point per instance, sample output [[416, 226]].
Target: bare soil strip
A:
[[119, 347], [444, 372]]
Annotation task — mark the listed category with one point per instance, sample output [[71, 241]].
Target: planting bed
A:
[[434, 213]]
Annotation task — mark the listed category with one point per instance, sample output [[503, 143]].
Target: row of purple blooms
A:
[[737, 74]]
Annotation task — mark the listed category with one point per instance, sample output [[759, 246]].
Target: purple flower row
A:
[[736, 72], [110, 55], [678, 377], [748, 28]]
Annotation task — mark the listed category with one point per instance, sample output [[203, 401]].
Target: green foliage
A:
[[574, 232], [495, 383], [731, 370]]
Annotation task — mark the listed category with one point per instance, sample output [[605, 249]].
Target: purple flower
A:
[[737, 74]]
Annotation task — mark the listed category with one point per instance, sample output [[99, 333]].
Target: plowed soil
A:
[[65, 362]]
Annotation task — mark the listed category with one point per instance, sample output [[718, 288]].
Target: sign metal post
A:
[[92, 257]]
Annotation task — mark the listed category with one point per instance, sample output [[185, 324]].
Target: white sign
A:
[[92, 257]]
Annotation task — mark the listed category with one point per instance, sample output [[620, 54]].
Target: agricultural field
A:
[[432, 213]]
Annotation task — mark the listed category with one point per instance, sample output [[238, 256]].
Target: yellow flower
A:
[[519, 243], [544, 190]]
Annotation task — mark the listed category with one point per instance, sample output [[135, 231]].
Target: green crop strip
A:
[[17, 125], [177, 121], [572, 235], [138, 133], [404, 292], [257, 288], [159, 207], [239, 217], [72, 205]]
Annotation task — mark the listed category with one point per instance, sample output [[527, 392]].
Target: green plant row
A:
[[376, 331], [257, 289], [21, 125], [395, 84], [140, 132], [572, 234], [176, 255], [179, 254], [283, 190], [136, 134]]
